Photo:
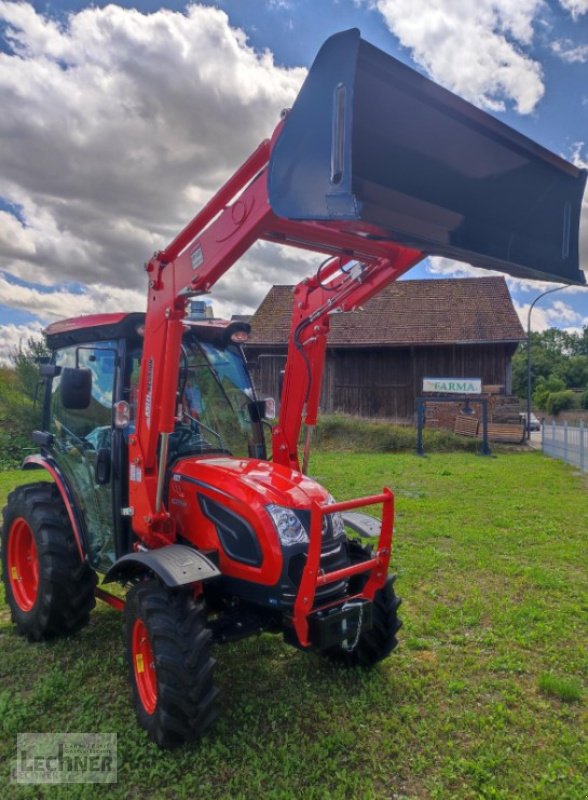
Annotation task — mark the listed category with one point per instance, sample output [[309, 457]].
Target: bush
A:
[[18, 417], [584, 399], [560, 401], [339, 432], [14, 446], [545, 387]]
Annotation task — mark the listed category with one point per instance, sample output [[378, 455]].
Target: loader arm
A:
[[235, 218], [339, 286]]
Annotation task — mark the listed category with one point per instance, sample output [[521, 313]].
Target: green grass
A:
[[567, 689], [475, 703]]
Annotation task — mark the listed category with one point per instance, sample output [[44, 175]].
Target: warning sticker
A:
[[135, 473], [197, 257]]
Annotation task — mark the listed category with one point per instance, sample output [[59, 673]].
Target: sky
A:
[[118, 121]]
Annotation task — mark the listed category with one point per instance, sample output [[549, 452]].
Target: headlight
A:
[[289, 527], [337, 524]]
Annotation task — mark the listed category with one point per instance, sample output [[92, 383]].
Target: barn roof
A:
[[413, 312]]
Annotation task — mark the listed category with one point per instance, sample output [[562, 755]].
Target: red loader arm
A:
[[337, 287], [234, 219]]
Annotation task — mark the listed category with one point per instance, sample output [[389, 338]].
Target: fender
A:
[[366, 526], [174, 564], [43, 462]]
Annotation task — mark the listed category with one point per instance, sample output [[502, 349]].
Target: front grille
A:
[[334, 556]]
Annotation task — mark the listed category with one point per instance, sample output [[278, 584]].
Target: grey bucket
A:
[[372, 145]]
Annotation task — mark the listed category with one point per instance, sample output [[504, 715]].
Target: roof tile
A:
[[410, 312]]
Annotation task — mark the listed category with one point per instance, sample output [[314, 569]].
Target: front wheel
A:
[[378, 642], [170, 668], [49, 590]]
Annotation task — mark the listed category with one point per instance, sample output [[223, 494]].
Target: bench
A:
[[507, 432], [466, 425]]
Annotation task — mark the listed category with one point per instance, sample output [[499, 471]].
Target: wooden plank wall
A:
[[385, 382]]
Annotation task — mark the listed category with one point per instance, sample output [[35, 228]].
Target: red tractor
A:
[[156, 440]]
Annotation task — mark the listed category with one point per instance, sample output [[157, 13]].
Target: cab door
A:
[[82, 444]]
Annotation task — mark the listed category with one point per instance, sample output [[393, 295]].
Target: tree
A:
[[560, 401], [19, 415], [573, 371], [554, 354], [15, 419], [581, 343], [545, 388], [26, 365]]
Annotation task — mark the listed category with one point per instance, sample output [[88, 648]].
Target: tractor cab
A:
[[91, 411], [218, 411]]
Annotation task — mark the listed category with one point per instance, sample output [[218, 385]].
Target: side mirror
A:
[[76, 388], [270, 408], [262, 409]]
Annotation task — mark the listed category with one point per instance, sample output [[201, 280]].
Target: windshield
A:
[[215, 394]]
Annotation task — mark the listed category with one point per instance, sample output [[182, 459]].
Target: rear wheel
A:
[[49, 590], [171, 671]]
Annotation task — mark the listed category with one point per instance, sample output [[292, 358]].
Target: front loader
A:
[[152, 430]]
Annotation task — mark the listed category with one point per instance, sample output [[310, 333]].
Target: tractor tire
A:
[[170, 668], [377, 643], [49, 590]]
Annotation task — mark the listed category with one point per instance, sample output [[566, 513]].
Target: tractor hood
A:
[[250, 481]]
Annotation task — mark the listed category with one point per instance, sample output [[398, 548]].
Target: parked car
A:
[[534, 424]]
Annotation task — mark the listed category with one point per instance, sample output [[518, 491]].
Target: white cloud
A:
[[549, 316], [266, 264], [439, 265], [575, 7], [476, 49], [116, 126], [570, 52], [455, 269], [562, 312], [539, 321], [59, 303], [577, 156], [14, 336]]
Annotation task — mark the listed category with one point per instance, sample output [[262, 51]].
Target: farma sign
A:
[[453, 385]]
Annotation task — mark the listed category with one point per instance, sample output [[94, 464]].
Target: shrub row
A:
[[339, 432]]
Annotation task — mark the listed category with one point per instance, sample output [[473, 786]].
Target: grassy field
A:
[[486, 696]]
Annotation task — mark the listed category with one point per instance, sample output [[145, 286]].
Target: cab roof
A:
[[93, 328], [105, 327]]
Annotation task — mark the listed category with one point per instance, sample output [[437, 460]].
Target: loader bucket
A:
[[376, 147]]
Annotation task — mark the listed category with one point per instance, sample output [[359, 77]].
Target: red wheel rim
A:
[[23, 564], [144, 666]]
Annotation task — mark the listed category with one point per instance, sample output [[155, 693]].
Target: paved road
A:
[[535, 440]]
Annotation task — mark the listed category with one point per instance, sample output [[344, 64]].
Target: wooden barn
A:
[[377, 358]]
